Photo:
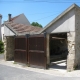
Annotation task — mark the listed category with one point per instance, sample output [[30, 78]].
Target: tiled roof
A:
[[21, 28]]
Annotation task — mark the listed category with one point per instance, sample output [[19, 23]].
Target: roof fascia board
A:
[[58, 17], [27, 33]]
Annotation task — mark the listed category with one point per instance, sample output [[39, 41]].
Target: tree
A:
[[36, 24]]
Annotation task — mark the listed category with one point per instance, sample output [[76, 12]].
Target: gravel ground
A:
[[54, 71]]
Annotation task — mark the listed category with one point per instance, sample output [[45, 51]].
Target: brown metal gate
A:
[[37, 50], [20, 54]]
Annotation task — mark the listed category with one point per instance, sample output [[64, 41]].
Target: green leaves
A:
[[36, 24]]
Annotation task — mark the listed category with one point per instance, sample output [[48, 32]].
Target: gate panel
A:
[[37, 50], [20, 43], [20, 54]]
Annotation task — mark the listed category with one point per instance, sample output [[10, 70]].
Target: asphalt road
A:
[[11, 73]]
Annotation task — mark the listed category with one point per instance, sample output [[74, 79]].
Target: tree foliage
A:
[[36, 24], [1, 47]]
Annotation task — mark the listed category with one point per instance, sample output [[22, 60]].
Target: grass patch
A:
[[1, 47]]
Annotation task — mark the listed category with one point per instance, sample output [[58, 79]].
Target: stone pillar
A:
[[71, 49], [9, 48], [47, 50]]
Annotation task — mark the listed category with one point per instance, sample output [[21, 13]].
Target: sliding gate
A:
[[37, 50]]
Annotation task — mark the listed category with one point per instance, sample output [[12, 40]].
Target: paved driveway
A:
[[11, 73]]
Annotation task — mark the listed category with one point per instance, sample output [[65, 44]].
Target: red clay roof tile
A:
[[21, 28]]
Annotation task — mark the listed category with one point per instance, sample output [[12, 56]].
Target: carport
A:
[[62, 38], [58, 46]]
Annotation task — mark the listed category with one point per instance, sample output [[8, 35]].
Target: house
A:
[[21, 18], [57, 40], [16, 27], [0, 27], [17, 19]]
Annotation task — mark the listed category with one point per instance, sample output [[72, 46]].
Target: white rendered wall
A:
[[64, 24], [8, 32], [22, 20], [0, 29], [2, 32]]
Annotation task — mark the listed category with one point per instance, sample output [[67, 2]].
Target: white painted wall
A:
[[8, 32], [0, 29], [22, 20], [64, 24], [2, 32]]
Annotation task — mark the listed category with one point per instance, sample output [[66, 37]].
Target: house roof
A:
[[13, 18], [58, 17], [20, 29]]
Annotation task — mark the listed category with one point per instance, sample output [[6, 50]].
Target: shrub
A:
[[1, 47]]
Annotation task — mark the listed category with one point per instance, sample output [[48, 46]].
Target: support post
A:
[[47, 50]]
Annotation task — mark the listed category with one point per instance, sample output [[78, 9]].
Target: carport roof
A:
[[58, 17], [21, 29]]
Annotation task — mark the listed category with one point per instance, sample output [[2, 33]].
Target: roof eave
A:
[[58, 17], [8, 26]]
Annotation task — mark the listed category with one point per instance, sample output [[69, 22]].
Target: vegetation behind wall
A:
[[1, 47]]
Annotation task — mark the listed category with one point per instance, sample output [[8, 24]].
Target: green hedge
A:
[[1, 47]]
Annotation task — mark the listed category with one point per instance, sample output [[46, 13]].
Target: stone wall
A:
[[77, 37], [73, 60], [9, 48], [71, 49]]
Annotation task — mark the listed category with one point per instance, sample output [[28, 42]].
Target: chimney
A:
[[0, 16], [9, 17]]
